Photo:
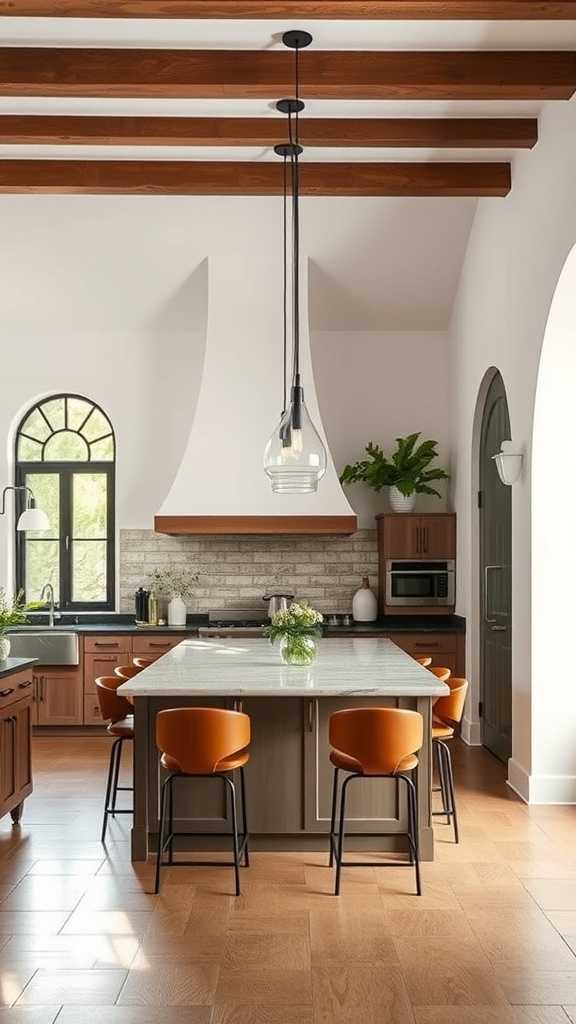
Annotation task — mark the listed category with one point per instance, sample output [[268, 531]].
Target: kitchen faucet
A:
[[48, 594]]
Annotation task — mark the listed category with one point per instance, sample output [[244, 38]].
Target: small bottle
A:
[[364, 603], [152, 609], [139, 604]]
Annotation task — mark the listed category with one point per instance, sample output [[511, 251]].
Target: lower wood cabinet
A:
[[275, 771], [372, 804], [60, 699], [15, 744]]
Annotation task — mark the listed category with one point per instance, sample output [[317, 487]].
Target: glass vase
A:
[[297, 650]]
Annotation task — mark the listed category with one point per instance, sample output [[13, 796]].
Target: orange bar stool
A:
[[203, 743], [143, 662], [425, 661], [447, 713], [118, 712], [126, 672], [374, 743], [443, 674]]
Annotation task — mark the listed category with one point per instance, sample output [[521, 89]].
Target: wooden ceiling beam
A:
[[266, 74], [144, 177], [384, 10], [442, 133]]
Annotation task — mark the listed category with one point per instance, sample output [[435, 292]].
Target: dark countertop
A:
[[12, 665], [124, 624], [401, 624]]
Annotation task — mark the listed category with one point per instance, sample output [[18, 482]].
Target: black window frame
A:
[[65, 471]]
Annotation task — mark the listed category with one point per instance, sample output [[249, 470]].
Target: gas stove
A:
[[234, 622]]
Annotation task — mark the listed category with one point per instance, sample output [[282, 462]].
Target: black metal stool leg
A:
[[171, 821], [244, 819], [341, 834], [116, 776], [111, 771], [413, 828], [232, 790], [443, 781], [165, 785], [333, 815], [450, 778]]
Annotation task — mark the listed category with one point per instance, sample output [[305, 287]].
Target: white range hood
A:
[[221, 486]]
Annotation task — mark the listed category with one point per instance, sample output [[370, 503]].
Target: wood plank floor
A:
[[492, 940]]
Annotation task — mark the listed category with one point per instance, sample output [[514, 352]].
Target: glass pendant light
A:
[[295, 458]]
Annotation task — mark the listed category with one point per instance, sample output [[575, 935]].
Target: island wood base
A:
[[288, 780]]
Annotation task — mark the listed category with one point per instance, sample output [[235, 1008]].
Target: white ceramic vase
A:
[[364, 603], [401, 502], [4, 647], [176, 612]]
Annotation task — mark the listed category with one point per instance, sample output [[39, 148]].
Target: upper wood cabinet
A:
[[415, 536]]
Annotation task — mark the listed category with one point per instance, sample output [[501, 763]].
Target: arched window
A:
[[65, 452]]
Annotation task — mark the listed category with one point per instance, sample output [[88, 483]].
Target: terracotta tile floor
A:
[[492, 940]]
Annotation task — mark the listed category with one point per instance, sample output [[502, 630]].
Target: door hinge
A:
[[480, 709], [479, 499]]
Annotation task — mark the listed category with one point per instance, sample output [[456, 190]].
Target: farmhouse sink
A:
[[50, 647]]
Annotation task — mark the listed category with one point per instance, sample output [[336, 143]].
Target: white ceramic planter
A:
[[4, 648], [176, 612], [401, 502]]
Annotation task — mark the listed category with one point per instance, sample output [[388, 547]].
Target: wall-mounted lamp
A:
[[32, 518], [509, 462]]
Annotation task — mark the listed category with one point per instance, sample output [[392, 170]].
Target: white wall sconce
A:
[[32, 518], [509, 462]]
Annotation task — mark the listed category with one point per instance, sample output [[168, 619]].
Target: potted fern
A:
[[406, 472], [11, 614]]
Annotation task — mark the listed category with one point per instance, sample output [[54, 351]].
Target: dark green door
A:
[[495, 580]]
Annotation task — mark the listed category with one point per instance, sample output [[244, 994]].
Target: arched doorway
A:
[[495, 533]]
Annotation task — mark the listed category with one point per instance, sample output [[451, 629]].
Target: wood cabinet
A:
[[372, 805], [408, 535], [412, 537], [15, 743], [59, 696], [447, 649], [154, 646]]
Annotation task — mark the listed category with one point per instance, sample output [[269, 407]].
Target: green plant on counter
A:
[[172, 582], [406, 469], [297, 629], [12, 612]]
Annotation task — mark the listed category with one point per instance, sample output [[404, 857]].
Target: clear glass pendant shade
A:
[[295, 458]]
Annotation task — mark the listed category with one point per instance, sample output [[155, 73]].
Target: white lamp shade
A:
[[508, 462], [33, 519]]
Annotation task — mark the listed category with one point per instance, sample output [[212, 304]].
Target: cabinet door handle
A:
[[425, 539], [155, 643], [24, 686], [6, 693], [417, 540], [311, 710], [42, 678], [102, 643], [427, 646]]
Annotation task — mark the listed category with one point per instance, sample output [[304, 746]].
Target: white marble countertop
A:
[[344, 667]]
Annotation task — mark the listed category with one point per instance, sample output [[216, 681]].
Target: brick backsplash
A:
[[235, 571]]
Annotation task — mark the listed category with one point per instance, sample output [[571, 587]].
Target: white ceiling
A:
[[263, 35], [378, 264]]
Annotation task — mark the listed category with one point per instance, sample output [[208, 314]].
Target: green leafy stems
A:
[[12, 611], [406, 469]]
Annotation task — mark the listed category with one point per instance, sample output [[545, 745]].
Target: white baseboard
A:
[[541, 789], [470, 733], [519, 780]]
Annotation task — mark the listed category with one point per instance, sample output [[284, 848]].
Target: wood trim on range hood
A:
[[187, 525]]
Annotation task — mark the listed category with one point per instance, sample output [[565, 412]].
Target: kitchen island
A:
[[289, 775]]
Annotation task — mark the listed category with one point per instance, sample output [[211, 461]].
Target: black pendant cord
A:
[[296, 228], [285, 288]]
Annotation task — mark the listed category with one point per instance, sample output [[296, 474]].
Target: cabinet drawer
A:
[[92, 713], [425, 643], [15, 687], [96, 665], [101, 644], [154, 645]]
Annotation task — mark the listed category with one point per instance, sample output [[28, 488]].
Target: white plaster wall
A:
[[515, 255], [376, 386], [107, 296]]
